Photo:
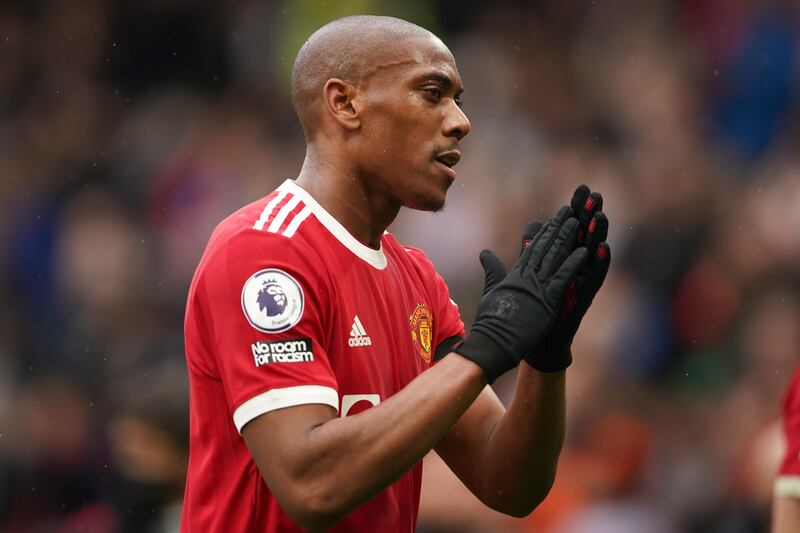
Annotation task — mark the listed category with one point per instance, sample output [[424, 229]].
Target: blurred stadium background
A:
[[128, 129]]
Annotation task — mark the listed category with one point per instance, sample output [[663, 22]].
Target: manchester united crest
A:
[[422, 331]]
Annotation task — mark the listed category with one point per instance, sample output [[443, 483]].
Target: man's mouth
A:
[[449, 158]]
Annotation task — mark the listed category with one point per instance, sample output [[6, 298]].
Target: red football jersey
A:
[[287, 308], [788, 480]]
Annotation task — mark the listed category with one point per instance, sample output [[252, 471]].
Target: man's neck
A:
[[345, 195]]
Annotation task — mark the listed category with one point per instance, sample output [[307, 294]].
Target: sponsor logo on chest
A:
[[358, 335]]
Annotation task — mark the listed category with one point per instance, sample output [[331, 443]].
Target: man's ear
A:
[[339, 96]]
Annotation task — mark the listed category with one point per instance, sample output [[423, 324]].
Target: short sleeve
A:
[[450, 326], [268, 303], [788, 480]]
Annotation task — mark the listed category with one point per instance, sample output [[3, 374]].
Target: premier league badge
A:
[[272, 301]]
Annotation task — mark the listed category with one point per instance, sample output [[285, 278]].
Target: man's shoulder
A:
[[413, 255], [248, 217], [791, 400], [271, 228]]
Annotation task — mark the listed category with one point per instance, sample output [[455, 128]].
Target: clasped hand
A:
[[533, 312]]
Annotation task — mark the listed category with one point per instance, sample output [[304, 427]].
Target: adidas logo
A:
[[358, 335]]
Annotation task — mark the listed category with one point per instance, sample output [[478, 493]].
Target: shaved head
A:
[[349, 48], [379, 100]]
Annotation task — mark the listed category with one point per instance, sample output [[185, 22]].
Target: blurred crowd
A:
[[130, 128]]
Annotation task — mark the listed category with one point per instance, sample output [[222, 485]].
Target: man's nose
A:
[[456, 124]]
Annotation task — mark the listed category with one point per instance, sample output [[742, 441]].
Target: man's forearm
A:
[[348, 460], [521, 454], [785, 514]]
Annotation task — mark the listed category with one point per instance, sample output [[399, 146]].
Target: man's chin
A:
[[430, 197], [428, 202]]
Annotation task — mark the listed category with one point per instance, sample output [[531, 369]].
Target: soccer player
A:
[[786, 504], [326, 359]]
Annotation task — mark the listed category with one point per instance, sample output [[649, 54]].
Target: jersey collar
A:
[[375, 258]]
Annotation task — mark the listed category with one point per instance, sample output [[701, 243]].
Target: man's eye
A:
[[435, 92], [458, 102]]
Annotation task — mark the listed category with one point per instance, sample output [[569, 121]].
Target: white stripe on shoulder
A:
[[262, 220], [296, 221], [279, 219], [375, 258]]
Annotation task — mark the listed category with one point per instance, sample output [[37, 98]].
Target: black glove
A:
[[514, 316], [554, 353]]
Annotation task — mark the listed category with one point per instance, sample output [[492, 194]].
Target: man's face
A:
[[411, 123]]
